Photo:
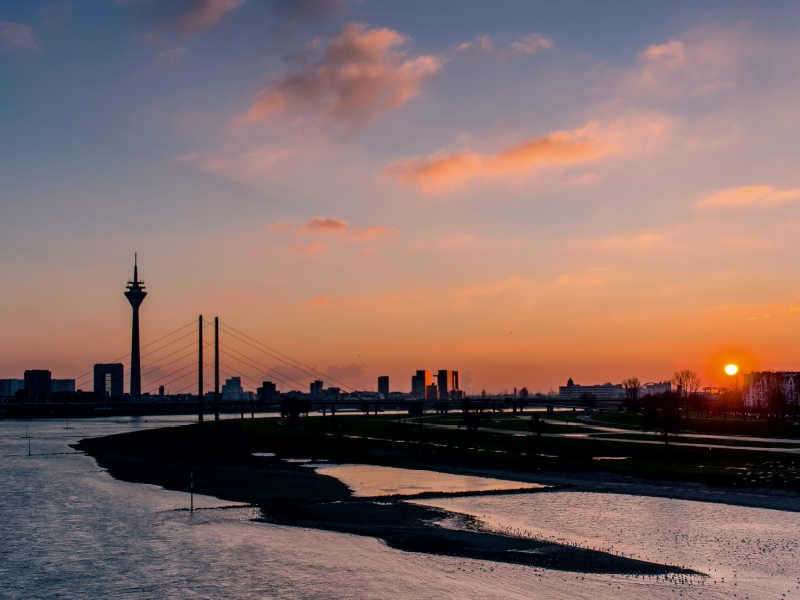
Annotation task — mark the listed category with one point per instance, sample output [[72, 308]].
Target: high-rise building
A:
[[316, 389], [108, 381], [383, 385], [232, 389], [431, 392], [37, 385], [135, 294], [448, 384], [419, 383], [268, 392], [444, 379], [9, 387]]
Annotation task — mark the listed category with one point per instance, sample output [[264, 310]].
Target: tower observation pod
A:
[[135, 294]]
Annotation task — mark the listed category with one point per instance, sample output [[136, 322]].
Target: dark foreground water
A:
[[68, 530]]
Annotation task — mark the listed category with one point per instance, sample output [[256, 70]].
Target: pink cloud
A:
[[322, 300], [206, 13], [310, 249], [527, 46], [16, 36], [755, 195], [671, 54], [325, 225], [371, 232], [237, 167], [531, 44], [442, 172], [360, 74], [280, 226]]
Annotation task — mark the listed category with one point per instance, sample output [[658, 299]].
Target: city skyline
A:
[[522, 199]]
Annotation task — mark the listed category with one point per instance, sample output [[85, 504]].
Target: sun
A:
[[731, 369]]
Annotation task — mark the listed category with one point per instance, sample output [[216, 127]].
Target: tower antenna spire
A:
[[135, 294]]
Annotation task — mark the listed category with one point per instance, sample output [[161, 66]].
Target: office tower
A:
[[431, 392], [383, 385], [316, 389], [9, 387], [268, 392], [108, 379], [444, 380], [232, 389], [135, 294], [419, 382], [37, 385]]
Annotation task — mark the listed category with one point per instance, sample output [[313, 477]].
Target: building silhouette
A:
[[62, 385], [37, 385], [232, 389], [419, 384], [383, 385], [135, 294], [268, 392], [316, 389], [10, 387], [108, 380], [607, 391], [432, 392]]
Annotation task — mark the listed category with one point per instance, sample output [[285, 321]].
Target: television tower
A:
[[135, 294]]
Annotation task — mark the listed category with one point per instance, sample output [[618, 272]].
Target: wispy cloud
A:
[[16, 36], [527, 46], [186, 15], [361, 73], [442, 171], [371, 232], [237, 167], [530, 44], [330, 225], [325, 225], [755, 195], [310, 249]]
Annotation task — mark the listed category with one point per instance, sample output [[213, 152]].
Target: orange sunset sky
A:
[[523, 192]]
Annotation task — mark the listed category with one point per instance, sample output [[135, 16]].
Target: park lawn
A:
[[712, 425]]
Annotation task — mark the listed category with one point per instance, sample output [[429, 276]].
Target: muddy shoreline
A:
[[294, 495]]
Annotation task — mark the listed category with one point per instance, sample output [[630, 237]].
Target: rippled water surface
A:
[[68, 530], [368, 480]]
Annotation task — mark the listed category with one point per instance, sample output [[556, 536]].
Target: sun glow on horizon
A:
[[731, 369]]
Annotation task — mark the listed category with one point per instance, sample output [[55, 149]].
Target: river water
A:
[[69, 530]]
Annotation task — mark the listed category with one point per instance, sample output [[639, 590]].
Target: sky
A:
[[520, 191]]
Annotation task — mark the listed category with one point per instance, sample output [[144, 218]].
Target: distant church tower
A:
[[135, 296]]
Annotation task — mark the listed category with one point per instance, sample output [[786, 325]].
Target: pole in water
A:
[[191, 492], [29, 445]]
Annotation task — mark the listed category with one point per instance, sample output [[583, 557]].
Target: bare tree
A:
[[632, 387], [687, 383]]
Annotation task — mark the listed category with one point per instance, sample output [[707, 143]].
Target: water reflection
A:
[[368, 480], [69, 530]]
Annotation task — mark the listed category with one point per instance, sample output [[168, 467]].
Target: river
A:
[[69, 530]]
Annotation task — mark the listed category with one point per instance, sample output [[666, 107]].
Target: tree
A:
[[776, 399], [661, 413], [686, 383], [475, 413], [633, 388], [523, 393]]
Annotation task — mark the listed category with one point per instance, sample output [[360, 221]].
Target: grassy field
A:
[[384, 440], [712, 425]]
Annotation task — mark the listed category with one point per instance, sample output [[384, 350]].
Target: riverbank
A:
[[217, 458]]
